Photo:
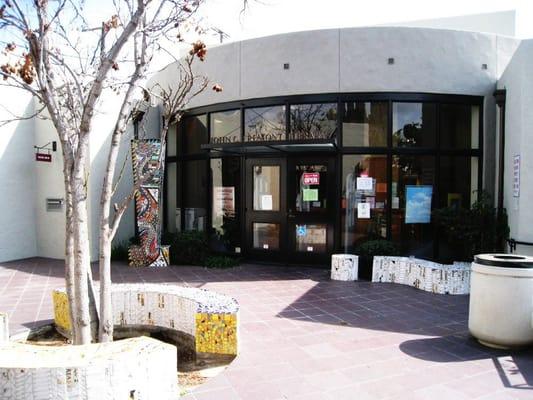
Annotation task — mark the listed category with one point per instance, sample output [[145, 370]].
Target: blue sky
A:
[[268, 17]]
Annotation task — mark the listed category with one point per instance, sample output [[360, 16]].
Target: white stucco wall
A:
[[519, 141], [501, 23], [50, 225], [17, 179]]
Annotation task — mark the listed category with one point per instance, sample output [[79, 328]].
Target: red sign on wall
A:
[[311, 178], [43, 157]]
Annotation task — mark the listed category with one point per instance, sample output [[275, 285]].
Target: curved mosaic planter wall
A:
[[136, 369], [422, 274], [210, 318]]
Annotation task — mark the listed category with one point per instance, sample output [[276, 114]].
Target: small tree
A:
[[67, 65]]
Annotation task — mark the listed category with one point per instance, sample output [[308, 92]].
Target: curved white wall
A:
[[355, 60]]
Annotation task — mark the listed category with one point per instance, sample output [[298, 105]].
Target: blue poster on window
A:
[[418, 204]]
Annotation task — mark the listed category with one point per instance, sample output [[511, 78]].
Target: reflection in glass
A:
[[195, 133], [459, 126], [226, 127], [266, 236], [225, 221], [311, 188], [458, 187], [365, 124], [195, 195], [311, 238], [173, 216], [264, 124], [364, 180], [414, 124], [172, 138], [266, 187], [411, 171], [458, 181], [313, 121]]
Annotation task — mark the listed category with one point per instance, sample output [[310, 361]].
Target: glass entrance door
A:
[[266, 208], [310, 209], [290, 209]]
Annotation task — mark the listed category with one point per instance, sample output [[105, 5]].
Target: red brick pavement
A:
[[306, 337]]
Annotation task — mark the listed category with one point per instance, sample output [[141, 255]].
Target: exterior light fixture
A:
[[286, 66], [484, 66], [390, 60]]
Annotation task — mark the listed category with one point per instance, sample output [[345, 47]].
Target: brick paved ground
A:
[[306, 337]]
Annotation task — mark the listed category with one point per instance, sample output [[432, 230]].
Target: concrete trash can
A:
[[501, 300], [344, 267]]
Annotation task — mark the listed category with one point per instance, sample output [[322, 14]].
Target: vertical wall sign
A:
[[516, 175], [148, 173]]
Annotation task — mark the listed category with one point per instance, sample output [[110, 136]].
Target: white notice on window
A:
[[365, 183], [363, 210], [266, 202]]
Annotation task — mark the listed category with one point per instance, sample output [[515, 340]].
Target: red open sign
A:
[[311, 178], [43, 157]]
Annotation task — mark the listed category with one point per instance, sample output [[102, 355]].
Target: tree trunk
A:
[[105, 333], [69, 260], [81, 246]]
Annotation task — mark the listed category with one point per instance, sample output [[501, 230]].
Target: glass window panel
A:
[[195, 133], [364, 124], [172, 206], [313, 121], [266, 236], [413, 180], [266, 187], [458, 181], [457, 189], [414, 124], [172, 138], [311, 188], [226, 127], [225, 224], [264, 124], [195, 195], [311, 238], [459, 126], [364, 180]]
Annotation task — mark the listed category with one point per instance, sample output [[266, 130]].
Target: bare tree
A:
[[53, 53]]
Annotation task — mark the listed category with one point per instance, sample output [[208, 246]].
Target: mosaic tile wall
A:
[[344, 267], [211, 318], [61, 310], [216, 333], [421, 274], [136, 369]]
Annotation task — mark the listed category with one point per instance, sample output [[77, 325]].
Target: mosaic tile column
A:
[[148, 171], [344, 267]]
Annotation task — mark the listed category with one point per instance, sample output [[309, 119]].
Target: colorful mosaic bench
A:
[[209, 318], [422, 274]]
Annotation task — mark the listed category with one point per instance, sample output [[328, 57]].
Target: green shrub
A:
[[480, 229], [119, 251], [379, 247], [188, 247], [371, 248], [220, 262]]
